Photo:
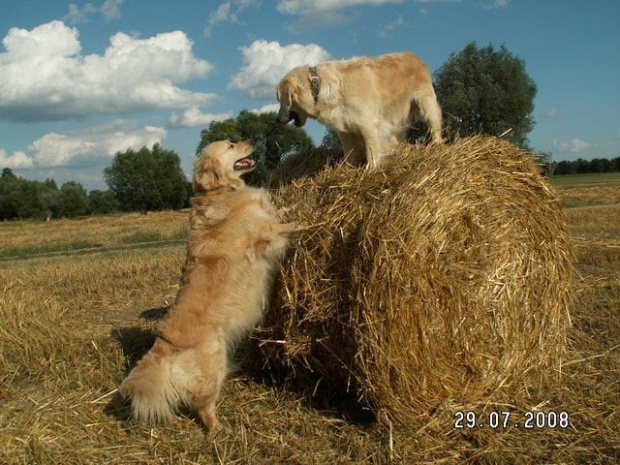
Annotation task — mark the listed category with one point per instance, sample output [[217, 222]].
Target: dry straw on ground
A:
[[445, 276], [73, 325]]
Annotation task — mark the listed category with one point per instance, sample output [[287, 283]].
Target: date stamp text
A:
[[506, 419]]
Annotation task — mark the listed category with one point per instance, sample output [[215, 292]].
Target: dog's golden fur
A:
[[369, 102], [233, 244]]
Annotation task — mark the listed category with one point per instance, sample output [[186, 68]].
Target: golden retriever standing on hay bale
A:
[[370, 102], [234, 242]]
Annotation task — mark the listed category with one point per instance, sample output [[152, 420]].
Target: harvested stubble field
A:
[[73, 325], [36, 238], [587, 194]]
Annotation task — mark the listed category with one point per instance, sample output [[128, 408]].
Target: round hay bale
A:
[[447, 275]]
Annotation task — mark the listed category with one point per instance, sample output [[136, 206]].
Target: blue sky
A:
[[82, 80]]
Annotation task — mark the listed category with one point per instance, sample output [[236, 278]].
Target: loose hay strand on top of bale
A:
[[446, 275]]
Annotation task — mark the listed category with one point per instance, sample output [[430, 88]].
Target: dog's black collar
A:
[[315, 83]]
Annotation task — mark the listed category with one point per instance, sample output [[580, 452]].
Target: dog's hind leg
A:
[[430, 113], [152, 392], [212, 363]]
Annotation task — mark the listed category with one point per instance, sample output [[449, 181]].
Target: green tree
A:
[[101, 202], [8, 186], [7, 174], [147, 180], [272, 139], [483, 90], [331, 140], [220, 130], [544, 157], [21, 198], [72, 200], [600, 165], [565, 167], [582, 166], [28, 200], [50, 196]]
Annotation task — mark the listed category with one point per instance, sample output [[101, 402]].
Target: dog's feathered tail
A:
[[149, 386]]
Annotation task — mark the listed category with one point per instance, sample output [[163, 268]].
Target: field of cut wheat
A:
[[75, 318]]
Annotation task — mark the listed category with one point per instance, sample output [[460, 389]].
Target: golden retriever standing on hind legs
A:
[[234, 243], [369, 102]]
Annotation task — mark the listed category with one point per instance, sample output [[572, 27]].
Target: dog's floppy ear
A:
[[208, 175]]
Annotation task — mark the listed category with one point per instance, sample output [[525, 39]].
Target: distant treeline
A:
[[596, 165], [149, 179], [139, 181], [152, 180], [24, 199], [21, 198]]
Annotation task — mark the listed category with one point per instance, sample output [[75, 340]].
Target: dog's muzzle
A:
[[284, 115], [284, 118], [296, 119]]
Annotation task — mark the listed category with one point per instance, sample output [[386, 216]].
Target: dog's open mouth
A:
[[243, 164], [295, 117]]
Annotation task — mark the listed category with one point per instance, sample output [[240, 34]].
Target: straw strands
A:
[[446, 275]]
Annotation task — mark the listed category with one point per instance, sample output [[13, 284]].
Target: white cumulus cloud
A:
[[575, 146], [219, 15], [58, 149], [110, 9], [85, 146], [388, 28], [15, 160], [296, 6], [265, 63], [325, 12], [490, 4], [193, 117], [44, 77], [120, 141], [312, 13], [550, 113], [227, 12], [270, 107]]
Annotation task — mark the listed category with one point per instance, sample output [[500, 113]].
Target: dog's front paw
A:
[[284, 212], [221, 427]]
